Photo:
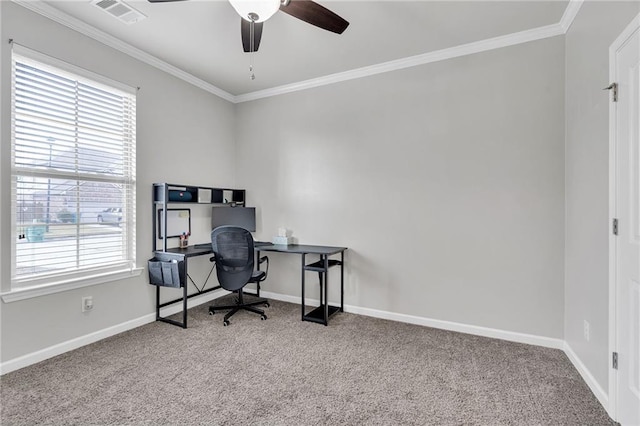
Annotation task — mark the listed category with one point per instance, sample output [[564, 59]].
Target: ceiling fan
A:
[[255, 12]]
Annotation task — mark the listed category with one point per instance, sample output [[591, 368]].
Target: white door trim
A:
[[617, 45]]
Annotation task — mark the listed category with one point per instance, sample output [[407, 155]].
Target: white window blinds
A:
[[73, 171]]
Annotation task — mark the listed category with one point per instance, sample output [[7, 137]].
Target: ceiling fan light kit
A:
[[255, 10]]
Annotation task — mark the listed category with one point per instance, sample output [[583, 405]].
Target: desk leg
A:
[[185, 296], [342, 282], [321, 276], [320, 281], [302, 268], [157, 302], [325, 258]]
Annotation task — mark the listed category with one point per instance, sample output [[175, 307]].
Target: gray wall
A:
[[587, 179], [446, 182], [185, 136]]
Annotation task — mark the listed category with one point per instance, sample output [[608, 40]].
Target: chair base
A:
[[240, 305]]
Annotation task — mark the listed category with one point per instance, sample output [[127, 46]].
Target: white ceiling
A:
[[203, 37]]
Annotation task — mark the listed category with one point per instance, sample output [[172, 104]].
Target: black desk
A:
[[322, 313], [182, 255]]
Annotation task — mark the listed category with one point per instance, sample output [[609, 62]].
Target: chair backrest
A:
[[233, 249]]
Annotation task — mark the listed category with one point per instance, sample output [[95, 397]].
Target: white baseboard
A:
[[286, 298], [597, 390], [511, 336], [69, 345], [494, 333]]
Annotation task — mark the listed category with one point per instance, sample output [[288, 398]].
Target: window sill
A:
[[43, 290]]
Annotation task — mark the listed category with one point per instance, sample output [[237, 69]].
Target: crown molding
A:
[[534, 34], [412, 61], [570, 14], [75, 24]]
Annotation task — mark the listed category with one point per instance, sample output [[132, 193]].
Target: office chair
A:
[[234, 257]]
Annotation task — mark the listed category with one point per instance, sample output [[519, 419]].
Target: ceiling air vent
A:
[[120, 10]]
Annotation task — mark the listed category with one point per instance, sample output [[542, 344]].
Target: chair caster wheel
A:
[[211, 312], [263, 317], [225, 323], [266, 304]]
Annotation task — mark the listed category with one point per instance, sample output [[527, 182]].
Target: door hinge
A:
[[614, 87], [615, 360], [615, 227]]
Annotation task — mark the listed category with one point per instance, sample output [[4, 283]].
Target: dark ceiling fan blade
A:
[[245, 29], [314, 14]]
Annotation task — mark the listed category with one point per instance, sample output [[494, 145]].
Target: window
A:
[[73, 172]]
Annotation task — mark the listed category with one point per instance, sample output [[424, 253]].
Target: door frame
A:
[[619, 42]]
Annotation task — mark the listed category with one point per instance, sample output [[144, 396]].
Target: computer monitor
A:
[[244, 217]]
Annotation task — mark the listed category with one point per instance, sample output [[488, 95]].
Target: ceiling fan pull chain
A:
[[252, 76]]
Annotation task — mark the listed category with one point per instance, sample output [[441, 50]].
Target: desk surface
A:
[[200, 250], [190, 251], [300, 249]]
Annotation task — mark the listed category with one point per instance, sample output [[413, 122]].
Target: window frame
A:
[[39, 284]]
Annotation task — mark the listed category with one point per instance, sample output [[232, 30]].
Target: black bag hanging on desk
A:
[[165, 273]]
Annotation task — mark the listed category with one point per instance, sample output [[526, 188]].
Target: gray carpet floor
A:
[[356, 371]]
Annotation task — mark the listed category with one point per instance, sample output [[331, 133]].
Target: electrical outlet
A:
[[87, 303], [586, 330]]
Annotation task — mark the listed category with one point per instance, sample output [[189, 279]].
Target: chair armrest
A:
[[261, 261]]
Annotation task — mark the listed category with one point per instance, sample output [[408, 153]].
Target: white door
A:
[[626, 128]]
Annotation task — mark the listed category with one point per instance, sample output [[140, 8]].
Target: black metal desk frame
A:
[[182, 254], [322, 313]]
